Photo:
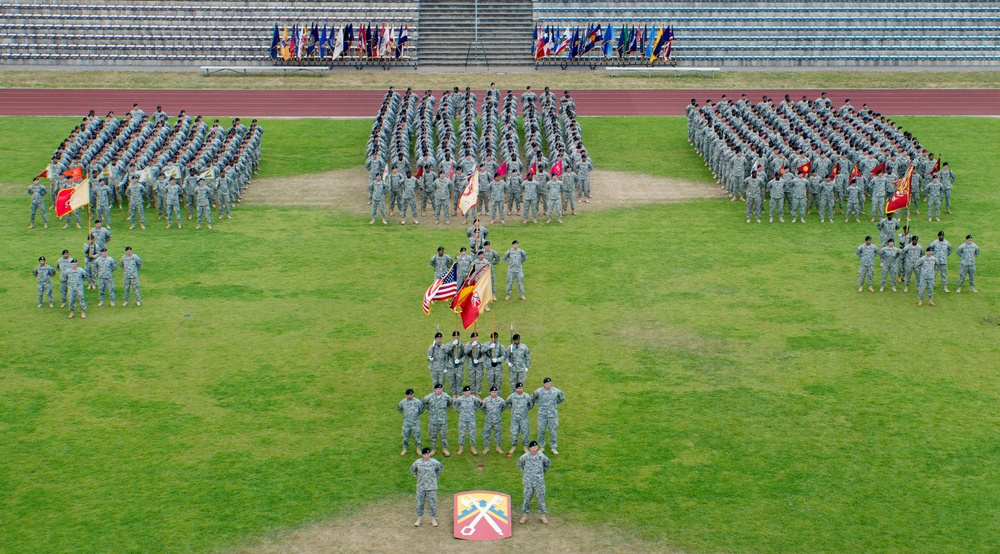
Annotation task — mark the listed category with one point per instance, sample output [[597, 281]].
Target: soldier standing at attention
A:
[[547, 399], [493, 406], [753, 186], [855, 197], [947, 181], [106, 266], [518, 360], [378, 199], [934, 190], [866, 252], [173, 199], [583, 169], [498, 193], [135, 193], [103, 193], [44, 273], [409, 198], [515, 258], [911, 255], [776, 188], [887, 228], [569, 190], [37, 193], [131, 264], [529, 194], [467, 405], [519, 403], [799, 187], [395, 186], [889, 256], [967, 253], [442, 195], [942, 249], [202, 196], [514, 191], [437, 355], [437, 404], [411, 408], [533, 464], [74, 282], [554, 191], [927, 270], [441, 263], [464, 262], [91, 251], [63, 264], [456, 365], [426, 470], [475, 355], [495, 355], [102, 236]]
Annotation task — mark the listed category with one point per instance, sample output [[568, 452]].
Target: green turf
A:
[[727, 387]]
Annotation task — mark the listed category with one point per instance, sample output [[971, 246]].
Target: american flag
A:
[[444, 288]]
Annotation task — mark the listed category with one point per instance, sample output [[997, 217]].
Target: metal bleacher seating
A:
[[788, 33], [178, 32]]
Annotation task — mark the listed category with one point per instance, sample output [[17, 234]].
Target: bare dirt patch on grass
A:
[[347, 190], [388, 527]]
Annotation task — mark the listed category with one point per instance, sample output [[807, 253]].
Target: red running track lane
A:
[[365, 103]]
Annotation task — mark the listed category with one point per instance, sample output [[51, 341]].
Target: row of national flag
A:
[[363, 41], [469, 300], [652, 42]]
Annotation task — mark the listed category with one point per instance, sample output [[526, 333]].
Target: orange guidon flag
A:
[[71, 199], [901, 198], [74, 173], [470, 196], [474, 296]]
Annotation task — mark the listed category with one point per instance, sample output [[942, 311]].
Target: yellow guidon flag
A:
[[470, 196], [474, 296], [71, 199]]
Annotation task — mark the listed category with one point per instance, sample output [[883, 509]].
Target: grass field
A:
[[351, 79], [727, 387]]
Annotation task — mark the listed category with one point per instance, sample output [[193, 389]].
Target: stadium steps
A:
[[447, 32]]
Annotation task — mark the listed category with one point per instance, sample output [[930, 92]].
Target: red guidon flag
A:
[[557, 168], [804, 168], [835, 172], [937, 166], [420, 172], [475, 295], [901, 198], [855, 172], [70, 199], [502, 170], [470, 196], [44, 174], [877, 170]]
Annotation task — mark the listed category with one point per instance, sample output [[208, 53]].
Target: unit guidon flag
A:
[[482, 515]]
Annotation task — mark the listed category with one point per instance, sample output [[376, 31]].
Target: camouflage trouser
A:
[[933, 207], [92, 272], [130, 283], [106, 284], [813, 202], [441, 205], [568, 200], [494, 376], [538, 491], [947, 198], [888, 270], [378, 205], [38, 206], [778, 203], [926, 285], [395, 201], [104, 214], [852, 208], [530, 208], [456, 375], [204, 211], [408, 202], [223, 206], [914, 200], [161, 206], [74, 214], [513, 202], [967, 269], [43, 289], [189, 200], [496, 208], [943, 271], [798, 207], [438, 429], [63, 288], [515, 276], [826, 207], [866, 271], [174, 211], [492, 429], [430, 497], [550, 423], [754, 207], [878, 206], [517, 375], [476, 380], [437, 377], [553, 206], [135, 208], [519, 427], [76, 295], [584, 184], [411, 428], [467, 427]]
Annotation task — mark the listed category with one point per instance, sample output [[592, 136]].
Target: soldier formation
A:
[[549, 175], [142, 161], [813, 156], [98, 272]]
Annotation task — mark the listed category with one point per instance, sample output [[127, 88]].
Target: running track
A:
[[365, 103]]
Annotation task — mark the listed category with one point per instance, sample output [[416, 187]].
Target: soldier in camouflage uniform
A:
[[887, 228], [942, 249], [855, 198], [554, 191], [441, 263], [866, 252], [529, 193], [494, 356], [753, 188], [889, 256], [37, 193], [533, 464], [967, 253], [934, 191], [74, 283], [498, 193], [519, 403], [437, 355], [173, 199], [426, 470], [63, 264], [515, 258], [467, 405], [493, 406], [476, 356], [518, 360], [44, 273], [547, 399], [411, 408], [409, 200], [202, 195], [135, 192], [926, 269], [106, 266], [131, 264], [442, 195], [455, 365], [437, 404], [911, 255], [395, 186], [378, 189]]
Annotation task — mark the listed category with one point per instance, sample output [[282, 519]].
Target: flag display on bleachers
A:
[[597, 41], [332, 42]]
